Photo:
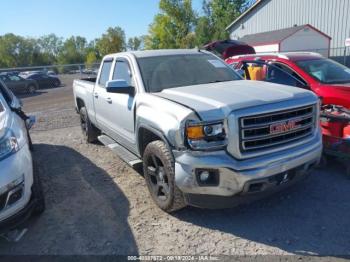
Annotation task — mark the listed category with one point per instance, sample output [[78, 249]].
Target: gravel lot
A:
[[96, 204]]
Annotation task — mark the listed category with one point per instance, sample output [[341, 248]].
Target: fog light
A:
[[207, 177], [204, 176]]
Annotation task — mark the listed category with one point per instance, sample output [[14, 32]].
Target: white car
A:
[[20, 190]]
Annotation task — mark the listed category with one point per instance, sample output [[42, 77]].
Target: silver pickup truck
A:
[[204, 136]]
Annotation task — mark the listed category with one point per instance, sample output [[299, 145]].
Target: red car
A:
[[327, 78]]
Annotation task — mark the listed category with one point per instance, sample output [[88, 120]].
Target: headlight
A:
[[206, 135], [8, 145]]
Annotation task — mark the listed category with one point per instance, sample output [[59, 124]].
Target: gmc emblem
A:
[[284, 127]]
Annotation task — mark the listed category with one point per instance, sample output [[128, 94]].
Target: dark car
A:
[[19, 84], [44, 80], [228, 48]]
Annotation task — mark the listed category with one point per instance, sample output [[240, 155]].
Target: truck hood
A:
[[218, 100]]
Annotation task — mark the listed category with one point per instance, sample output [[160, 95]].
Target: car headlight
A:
[[206, 135], [8, 145]]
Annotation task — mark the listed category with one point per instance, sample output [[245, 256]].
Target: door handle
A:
[[96, 95], [109, 100]]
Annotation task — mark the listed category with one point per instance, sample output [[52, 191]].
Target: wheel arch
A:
[[146, 135], [80, 103]]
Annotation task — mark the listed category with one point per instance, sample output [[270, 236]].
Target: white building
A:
[[296, 38]]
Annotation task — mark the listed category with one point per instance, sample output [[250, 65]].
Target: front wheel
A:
[[56, 83], [89, 130], [159, 172]]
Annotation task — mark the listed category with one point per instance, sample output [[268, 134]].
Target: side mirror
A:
[[119, 86], [16, 104], [30, 122]]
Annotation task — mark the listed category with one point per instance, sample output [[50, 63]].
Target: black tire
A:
[[56, 83], [159, 172], [89, 130], [38, 194], [31, 89]]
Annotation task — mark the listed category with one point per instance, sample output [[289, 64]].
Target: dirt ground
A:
[[96, 204]]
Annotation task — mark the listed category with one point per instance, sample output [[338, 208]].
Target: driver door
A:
[[120, 114], [115, 111]]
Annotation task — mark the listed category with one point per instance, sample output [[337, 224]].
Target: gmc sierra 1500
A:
[[205, 136]]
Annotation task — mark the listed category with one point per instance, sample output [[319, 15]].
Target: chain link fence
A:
[[21, 79], [67, 73]]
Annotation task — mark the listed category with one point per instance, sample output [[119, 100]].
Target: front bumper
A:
[[16, 174], [235, 176]]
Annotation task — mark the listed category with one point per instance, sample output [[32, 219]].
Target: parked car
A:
[[51, 73], [228, 48], [20, 190], [18, 84], [325, 77], [44, 80], [204, 136]]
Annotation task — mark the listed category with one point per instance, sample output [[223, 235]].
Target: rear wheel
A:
[[159, 172], [56, 83], [89, 130], [31, 89]]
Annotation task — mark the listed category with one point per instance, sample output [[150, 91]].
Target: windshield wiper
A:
[[218, 81]]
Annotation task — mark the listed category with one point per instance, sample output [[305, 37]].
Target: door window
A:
[[15, 78], [122, 71], [260, 70], [291, 72], [105, 70]]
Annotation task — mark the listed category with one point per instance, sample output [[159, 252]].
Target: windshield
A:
[[163, 72], [326, 71]]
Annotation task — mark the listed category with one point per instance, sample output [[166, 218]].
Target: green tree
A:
[[73, 51], [50, 46], [113, 41], [135, 43], [217, 15], [204, 31], [18, 51], [173, 27], [91, 58]]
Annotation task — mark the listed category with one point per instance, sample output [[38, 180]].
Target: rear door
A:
[[17, 84]]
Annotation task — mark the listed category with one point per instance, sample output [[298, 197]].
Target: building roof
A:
[[244, 13], [276, 36]]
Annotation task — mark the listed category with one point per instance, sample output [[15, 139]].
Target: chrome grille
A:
[[275, 129]]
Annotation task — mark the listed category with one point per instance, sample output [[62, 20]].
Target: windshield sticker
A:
[[217, 63]]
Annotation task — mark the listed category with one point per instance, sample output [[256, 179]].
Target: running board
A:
[[121, 151]]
